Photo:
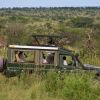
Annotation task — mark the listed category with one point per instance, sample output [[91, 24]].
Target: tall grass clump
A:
[[50, 86], [73, 86], [94, 60], [79, 86], [53, 83]]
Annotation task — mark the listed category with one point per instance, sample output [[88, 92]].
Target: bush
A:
[[82, 22], [53, 82]]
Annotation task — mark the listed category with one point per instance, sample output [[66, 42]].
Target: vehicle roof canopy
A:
[[54, 48], [62, 51]]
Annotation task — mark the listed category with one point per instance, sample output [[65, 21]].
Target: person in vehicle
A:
[[64, 61], [44, 59], [76, 60], [22, 56], [17, 59], [50, 58]]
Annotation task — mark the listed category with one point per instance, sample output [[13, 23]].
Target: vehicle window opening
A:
[[67, 60], [16, 56], [24, 56], [64, 61], [48, 57], [44, 59]]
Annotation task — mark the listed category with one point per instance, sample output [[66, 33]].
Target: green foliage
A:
[[53, 83], [52, 86], [19, 24], [15, 33], [82, 22], [19, 19], [91, 59]]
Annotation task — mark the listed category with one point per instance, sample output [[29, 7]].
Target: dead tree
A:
[[89, 44]]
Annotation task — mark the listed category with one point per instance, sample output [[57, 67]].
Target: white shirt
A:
[[45, 61], [65, 62]]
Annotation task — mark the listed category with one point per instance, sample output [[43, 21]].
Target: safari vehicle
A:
[[39, 58], [43, 58]]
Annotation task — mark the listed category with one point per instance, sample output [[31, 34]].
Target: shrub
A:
[[82, 22]]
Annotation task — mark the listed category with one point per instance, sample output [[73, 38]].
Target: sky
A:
[[49, 3]]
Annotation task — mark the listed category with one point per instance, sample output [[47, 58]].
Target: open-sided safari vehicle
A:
[[39, 58], [27, 58]]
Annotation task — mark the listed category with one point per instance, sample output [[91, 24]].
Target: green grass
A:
[[91, 59], [51, 86]]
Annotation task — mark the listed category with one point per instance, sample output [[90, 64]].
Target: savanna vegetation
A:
[[51, 86], [81, 26]]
